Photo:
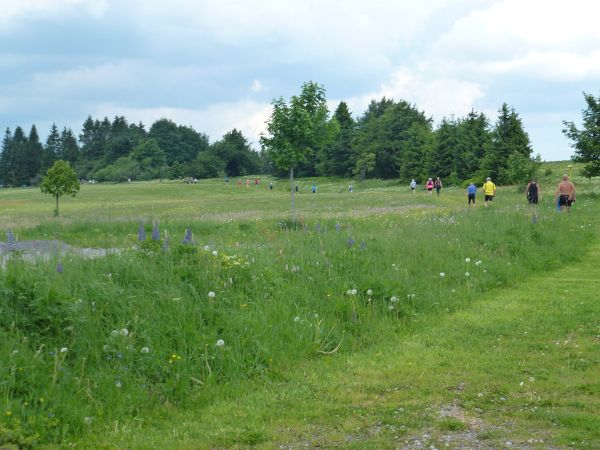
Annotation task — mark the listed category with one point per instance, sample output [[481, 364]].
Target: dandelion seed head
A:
[[145, 350], [442, 274], [114, 333], [124, 332], [467, 260], [393, 299], [467, 274], [353, 292], [88, 420], [296, 319], [118, 384], [215, 253], [211, 294], [369, 292], [64, 350], [220, 343]]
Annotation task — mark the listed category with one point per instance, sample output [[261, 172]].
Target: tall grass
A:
[[108, 339]]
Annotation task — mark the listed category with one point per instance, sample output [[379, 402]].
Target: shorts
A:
[[565, 200], [471, 198], [489, 198], [430, 189], [533, 200]]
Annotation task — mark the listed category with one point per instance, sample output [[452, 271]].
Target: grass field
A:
[[385, 320]]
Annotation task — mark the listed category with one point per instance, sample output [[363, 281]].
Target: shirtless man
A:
[[565, 194]]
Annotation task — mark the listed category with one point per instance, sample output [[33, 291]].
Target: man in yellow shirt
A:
[[489, 191]]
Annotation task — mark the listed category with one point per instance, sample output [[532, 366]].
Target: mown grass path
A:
[[516, 369]]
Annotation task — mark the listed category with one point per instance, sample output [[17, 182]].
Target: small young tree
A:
[[298, 129], [60, 180]]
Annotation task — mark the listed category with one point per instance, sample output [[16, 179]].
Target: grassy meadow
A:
[[386, 319]]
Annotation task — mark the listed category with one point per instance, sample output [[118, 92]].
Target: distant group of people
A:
[[564, 195]]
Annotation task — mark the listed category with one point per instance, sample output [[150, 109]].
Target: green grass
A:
[[304, 359]]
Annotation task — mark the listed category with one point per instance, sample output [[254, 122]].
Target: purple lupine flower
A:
[[155, 232], [363, 246], [187, 239], [534, 219], [11, 240], [338, 227], [318, 228], [350, 242], [59, 267], [141, 232]]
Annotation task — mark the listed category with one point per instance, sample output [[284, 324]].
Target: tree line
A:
[[391, 139], [116, 150]]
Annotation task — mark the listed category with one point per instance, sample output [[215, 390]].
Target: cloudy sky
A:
[[217, 64]]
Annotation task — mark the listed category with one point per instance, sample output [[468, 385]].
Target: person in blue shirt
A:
[[314, 188], [471, 191]]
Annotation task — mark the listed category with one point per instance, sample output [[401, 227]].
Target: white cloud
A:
[[436, 96], [257, 86], [16, 12]]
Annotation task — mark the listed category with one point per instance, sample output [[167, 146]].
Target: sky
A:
[[217, 64]]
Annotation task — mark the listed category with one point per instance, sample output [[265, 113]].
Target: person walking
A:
[[489, 191], [413, 185], [429, 186], [471, 191], [565, 194], [533, 192], [314, 188], [438, 185]]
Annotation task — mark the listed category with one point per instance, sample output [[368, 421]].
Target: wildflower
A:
[[215, 253], [8, 413], [350, 242], [59, 267], [477, 263], [220, 343], [141, 232], [187, 238], [369, 292], [87, 420], [118, 384], [124, 332], [363, 246], [531, 379], [338, 227], [11, 240], [211, 294], [296, 319], [442, 274], [318, 228], [155, 233], [64, 350], [391, 307], [393, 299], [467, 274], [467, 260], [114, 333], [521, 383], [145, 350]]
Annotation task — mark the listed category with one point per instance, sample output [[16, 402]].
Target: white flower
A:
[[477, 262], [88, 420], [118, 384], [145, 350], [296, 319], [369, 292], [215, 253], [124, 332], [393, 299], [206, 247], [391, 307], [211, 294], [220, 343], [484, 271], [442, 274], [521, 383], [467, 274], [467, 260], [114, 333], [349, 292], [531, 379], [353, 291], [64, 350]]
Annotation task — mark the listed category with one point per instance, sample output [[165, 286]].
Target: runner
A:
[[489, 191], [429, 186], [471, 191], [565, 194], [533, 192]]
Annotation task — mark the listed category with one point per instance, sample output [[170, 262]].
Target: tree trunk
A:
[[292, 190], [56, 212]]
